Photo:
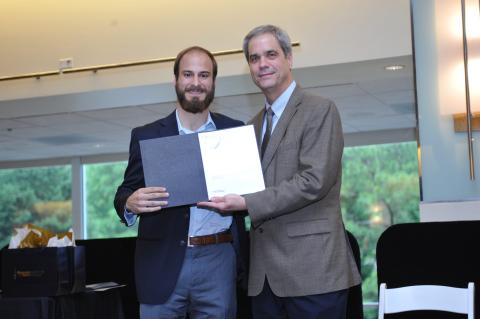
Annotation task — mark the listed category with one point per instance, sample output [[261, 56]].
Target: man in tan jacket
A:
[[301, 264]]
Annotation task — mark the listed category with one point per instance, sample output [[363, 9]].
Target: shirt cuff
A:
[[130, 218]]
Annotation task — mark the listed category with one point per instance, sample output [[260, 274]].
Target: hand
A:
[[227, 203], [146, 200]]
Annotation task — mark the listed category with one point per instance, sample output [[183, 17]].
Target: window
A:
[[39, 195], [380, 187], [101, 182]]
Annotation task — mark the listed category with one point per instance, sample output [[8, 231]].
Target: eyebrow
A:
[[199, 72], [264, 53]]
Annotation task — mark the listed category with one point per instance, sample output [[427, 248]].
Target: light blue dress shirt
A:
[[202, 221], [278, 107]]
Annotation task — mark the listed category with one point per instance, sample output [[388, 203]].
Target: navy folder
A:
[[175, 162], [195, 167]]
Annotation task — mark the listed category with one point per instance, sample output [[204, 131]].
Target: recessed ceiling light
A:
[[394, 67]]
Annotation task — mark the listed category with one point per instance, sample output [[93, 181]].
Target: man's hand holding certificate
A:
[[197, 167]]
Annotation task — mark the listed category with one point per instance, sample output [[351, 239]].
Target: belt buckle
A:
[[188, 242]]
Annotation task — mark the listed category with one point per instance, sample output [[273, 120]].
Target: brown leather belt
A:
[[224, 237]]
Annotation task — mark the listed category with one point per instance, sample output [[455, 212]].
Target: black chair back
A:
[[438, 253], [355, 300]]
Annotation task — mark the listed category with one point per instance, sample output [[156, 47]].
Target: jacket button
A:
[[260, 230], [182, 242], [187, 215]]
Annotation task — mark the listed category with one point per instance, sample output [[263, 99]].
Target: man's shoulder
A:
[[314, 106], [224, 121], [314, 99], [156, 126], [151, 125]]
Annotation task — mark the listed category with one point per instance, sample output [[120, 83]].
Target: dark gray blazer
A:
[[298, 239], [162, 235]]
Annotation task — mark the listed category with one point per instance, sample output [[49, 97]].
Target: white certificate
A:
[[231, 161]]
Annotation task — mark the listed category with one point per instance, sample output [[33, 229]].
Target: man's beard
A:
[[195, 105]]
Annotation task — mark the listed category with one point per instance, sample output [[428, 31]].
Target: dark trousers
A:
[[205, 287], [331, 305]]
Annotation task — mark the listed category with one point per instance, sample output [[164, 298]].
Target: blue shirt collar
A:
[[209, 125], [280, 103]]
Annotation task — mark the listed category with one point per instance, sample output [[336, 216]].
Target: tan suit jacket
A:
[[298, 239]]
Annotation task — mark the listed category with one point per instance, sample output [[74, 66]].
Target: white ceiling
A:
[[370, 100]]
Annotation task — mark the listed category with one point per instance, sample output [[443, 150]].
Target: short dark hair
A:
[[281, 36], [179, 57]]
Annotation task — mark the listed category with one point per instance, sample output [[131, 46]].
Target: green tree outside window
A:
[[38, 195], [380, 187], [101, 182]]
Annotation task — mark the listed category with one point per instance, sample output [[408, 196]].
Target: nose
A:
[[262, 63], [196, 80]]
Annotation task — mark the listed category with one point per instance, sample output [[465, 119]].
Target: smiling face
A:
[[269, 67], [195, 86]]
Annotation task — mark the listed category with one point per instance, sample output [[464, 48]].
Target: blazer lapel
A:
[[281, 127], [257, 122], [168, 125]]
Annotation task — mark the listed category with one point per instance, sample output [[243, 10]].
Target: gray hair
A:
[[281, 36]]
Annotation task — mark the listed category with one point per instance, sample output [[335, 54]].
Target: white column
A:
[[78, 199], [447, 191]]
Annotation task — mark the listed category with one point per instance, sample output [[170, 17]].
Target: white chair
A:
[[426, 297]]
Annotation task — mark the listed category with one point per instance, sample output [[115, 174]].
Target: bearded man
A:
[[186, 258]]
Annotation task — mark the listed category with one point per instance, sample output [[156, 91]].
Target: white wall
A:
[[34, 35], [448, 192]]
